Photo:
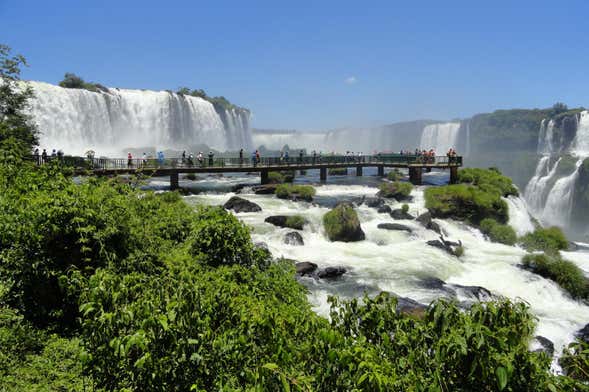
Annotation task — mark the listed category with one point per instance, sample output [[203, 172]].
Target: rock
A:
[[394, 226], [572, 247], [480, 293], [400, 214], [331, 272], [293, 222], [261, 245], [267, 189], [294, 238], [425, 218], [342, 224], [436, 244], [432, 283], [583, 333], [305, 268], [238, 188], [409, 307], [374, 202], [453, 248], [434, 226], [385, 209], [238, 204], [545, 344]]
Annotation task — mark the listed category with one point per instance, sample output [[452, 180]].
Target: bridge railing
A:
[[236, 162]]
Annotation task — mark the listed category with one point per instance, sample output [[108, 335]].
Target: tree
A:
[[18, 134], [71, 80], [558, 108]]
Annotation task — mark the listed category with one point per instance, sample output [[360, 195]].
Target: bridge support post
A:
[[381, 171], [174, 183], [453, 175], [264, 177], [415, 175], [323, 174], [359, 171]]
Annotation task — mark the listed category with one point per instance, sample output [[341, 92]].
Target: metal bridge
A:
[[172, 167]]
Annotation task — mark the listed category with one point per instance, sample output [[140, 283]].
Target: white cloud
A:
[[350, 80]]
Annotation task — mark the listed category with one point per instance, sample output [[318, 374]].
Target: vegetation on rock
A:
[[488, 180], [71, 80], [290, 191], [548, 239], [497, 232], [396, 190], [342, 224], [565, 273]]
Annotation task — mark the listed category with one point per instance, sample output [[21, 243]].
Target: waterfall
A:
[[581, 142], [546, 137], [441, 137], [559, 204], [537, 190], [467, 152], [107, 122], [519, 217]]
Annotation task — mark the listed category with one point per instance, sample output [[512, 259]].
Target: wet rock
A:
[[267, 189], [262, 245], [545, 344], [374, 202], [436, 244], [305, 268], [400, 214], [294, 238], [385, 209], [451, 247], [409, 307], [394, 226], [426, 220], [435, 227], [432, 283], [238, 188], [572, 247], [331, 272], [480, 293], [238, 204], [292, 222], [583, 333]]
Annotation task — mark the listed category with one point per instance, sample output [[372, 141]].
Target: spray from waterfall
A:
[[441, 137]]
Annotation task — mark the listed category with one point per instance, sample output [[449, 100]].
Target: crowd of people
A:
[[44, 157]]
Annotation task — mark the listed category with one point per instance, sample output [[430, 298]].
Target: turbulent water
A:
[[77, 120], [400, 262], [551, 198], [441, 137]]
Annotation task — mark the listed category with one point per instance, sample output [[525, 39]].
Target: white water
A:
[[519, 217], [581, 142], [441, 137], [76, 120], [396, 261], [559, 204], [546, 137], [276, 141], [536, 190]]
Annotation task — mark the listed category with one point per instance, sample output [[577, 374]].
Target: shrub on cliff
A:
[[342, 224], [395, 190], [489, 180], [465, 202], [497, 232], [565, 273], [545, 239]]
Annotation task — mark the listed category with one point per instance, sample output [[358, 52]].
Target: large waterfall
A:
[[107, 122], [550, 197], [441, 137]]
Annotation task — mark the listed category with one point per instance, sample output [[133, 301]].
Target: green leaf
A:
[[501, 374]]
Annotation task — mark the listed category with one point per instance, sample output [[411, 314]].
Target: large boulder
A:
[[374, 202], [426, 220], [544, 345], [453, 248], [399, 213], [291, 221], [294, 238], [342, 224], [385, 209], [239, 204], [331, 272], [394, 226], [409, 307], [305, 268], [583, 333]]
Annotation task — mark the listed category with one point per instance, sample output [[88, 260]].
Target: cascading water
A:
[[546, 137], [441, 137], [559, 204], [581, 142], [537, 190], [77, 120], [519, 217]]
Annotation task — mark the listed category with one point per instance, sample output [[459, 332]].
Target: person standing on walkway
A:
[[183, 157], [241, 157], [44, 156], [257, 157], [211, 155], [36, 156], [286, 156], [129, 159], [200, 158], [301, 157]]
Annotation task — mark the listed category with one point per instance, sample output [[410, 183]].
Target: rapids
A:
[[399, 262]]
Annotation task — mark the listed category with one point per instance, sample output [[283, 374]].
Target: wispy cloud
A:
[[350, 80]]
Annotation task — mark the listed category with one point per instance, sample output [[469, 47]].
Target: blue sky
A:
[[318, 64]]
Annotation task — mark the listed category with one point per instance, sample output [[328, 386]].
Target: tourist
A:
[[241, 157], [144, 159], [44, 156], [190, 159], [254, 158], [301, 156], [53, 154], [257, 156], [286, 156], [314, 156], [211, 155], [200, 158], [60, 155], [281, 157], [183, 157], [36, 156], [160, 157], [129, 159]]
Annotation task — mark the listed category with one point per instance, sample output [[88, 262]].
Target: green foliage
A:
[[575, 361], [288, 191], [275, 177], [220, 102], [395, 175], [396, 190], [337, 171], [465, 202], [405, 208], [339, 221], [565, 273], [459, 251], [489, 180], [219, 238], [71, 80], [295, 222], [549, 239], [497, 232], [18, 134]]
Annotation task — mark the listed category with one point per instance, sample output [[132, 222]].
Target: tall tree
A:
[[18, 133]]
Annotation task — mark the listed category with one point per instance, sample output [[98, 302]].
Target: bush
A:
[[489, 180], [565, 273], [497, 232], [275, 178], [575, 361], [290, 191], [465, 202], [342, 224], [337, 171], [405, 208], [395, 175], [295, 222], [71, 80], [545, 239], [396, 190]]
